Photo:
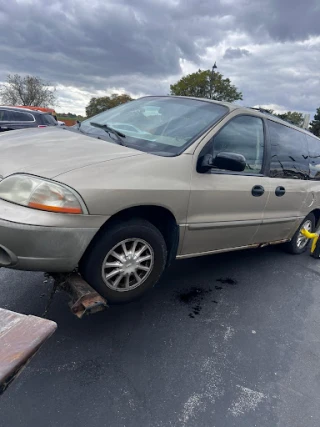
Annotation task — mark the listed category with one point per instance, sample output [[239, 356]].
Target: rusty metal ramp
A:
[[21, 337]]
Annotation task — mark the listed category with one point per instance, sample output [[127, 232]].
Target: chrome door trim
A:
[[223, 224], [217, 251]]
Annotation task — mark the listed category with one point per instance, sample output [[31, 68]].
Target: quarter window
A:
[[314, 157], [243, 135], [16, 116], [289, 152], [3, 115]]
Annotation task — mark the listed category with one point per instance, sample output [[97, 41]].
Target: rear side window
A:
[[289, 152], [49, 120], [16, 116], [242, 135], [3, 115], [314, 157]]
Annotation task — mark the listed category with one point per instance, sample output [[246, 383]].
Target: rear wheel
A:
[[299, 242], [125, 261]]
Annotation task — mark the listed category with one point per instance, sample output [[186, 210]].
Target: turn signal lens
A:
[[51, 197]]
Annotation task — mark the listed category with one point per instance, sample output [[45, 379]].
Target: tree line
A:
[[34, 91]]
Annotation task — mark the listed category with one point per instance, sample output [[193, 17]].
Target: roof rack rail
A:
[[262, 110]]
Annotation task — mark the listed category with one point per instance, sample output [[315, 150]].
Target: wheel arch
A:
[[162, 218], [316, 213]]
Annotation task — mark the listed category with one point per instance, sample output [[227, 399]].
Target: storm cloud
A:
[[270, 49], [232, 53]]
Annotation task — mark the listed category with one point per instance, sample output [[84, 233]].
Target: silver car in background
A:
[[121, 195]]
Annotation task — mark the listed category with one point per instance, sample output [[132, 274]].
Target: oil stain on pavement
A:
[[227, 281], [195, 296]]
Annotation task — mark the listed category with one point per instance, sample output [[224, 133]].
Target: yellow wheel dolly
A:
[[315, 246]]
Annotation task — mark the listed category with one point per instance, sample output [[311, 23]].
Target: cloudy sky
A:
[[269, 48]]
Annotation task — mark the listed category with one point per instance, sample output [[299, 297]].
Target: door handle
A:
[[257, 191], [280, 191]]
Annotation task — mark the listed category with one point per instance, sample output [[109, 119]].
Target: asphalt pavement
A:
[[229, 340]]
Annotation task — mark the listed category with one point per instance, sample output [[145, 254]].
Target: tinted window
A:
[[289, 152], [242, 135], [16, 116], [49, 120], [314, 157], [3, 115]]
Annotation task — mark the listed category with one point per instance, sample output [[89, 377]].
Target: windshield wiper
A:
[[109, 130]]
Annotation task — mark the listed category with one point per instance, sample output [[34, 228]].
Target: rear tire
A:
[[299, 243], [116, 254]]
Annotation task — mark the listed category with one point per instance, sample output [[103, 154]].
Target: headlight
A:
[[38, 193]]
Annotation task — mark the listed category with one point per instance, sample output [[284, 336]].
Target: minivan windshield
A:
[[165, 126]]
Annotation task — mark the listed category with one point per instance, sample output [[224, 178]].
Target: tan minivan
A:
[[121, 195]]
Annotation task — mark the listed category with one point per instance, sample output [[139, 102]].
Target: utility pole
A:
[[214, 67], [212, 78]]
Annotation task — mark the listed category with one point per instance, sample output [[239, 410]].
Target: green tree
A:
[[292, 117], [315, 124], [205, 84], [97, 105], [28, 90]]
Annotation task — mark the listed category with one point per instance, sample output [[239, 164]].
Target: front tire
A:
[[299, 243], [125, 261]]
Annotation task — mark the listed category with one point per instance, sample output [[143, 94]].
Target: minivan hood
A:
[[52, 151]]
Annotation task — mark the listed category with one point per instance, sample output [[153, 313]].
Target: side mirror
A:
[[230, 161], [225, 161], [205, 163]]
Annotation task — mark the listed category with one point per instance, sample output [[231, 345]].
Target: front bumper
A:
[[44, 241]]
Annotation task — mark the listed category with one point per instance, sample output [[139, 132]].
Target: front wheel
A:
[[125, 261], [299, 242]]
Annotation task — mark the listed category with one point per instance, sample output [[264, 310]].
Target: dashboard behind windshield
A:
[[160, 125]]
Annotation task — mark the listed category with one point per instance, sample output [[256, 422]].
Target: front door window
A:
[[242, 135]]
